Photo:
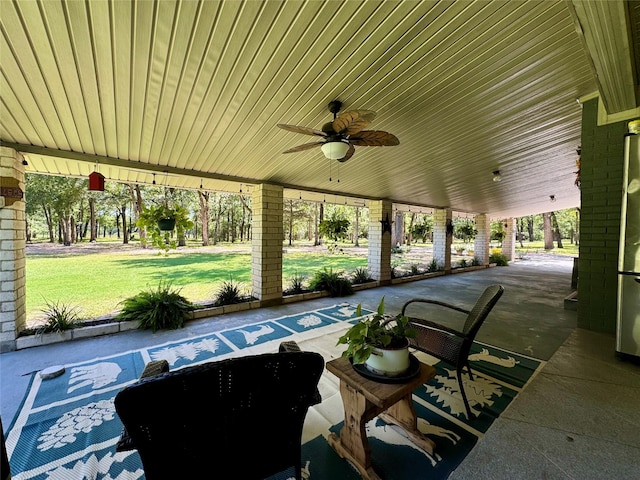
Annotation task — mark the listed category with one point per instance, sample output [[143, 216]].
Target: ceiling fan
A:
[[341, 135]]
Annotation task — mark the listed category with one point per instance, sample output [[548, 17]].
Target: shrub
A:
[[433, 266], [499, 259], [361, 275], [331, 281], [415, 269], [161, 308], [462, 263], [230, 292], [475, 262], [58, 318], [296, 285]]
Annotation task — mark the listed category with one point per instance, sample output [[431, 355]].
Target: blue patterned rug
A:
[[67, 427]]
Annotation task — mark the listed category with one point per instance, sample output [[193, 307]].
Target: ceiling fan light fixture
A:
[[335, 150]]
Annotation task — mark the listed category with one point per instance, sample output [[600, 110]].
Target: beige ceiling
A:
[[193, 90]]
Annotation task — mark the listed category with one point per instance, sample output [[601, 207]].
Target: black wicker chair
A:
[[450, 345], [191, 423]]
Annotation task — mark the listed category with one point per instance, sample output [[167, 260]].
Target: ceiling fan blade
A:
[[348, 155], [374, 138], [352, 122], [304, 130], [306, 146]]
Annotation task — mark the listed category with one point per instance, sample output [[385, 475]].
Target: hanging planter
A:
[[167, 224]]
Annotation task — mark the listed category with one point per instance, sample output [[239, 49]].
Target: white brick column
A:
[[379, 261], [13, 314], [441, 238], [482, 243], [266, 244], [509, 241]]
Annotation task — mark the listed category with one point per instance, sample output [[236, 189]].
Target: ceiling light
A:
[[335, 150], [552, 198], [496, 176]]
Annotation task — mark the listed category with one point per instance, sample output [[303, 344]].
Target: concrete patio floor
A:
[[578, 419]]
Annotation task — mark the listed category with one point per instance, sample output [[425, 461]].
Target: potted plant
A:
[[379, 342], [161, 220]]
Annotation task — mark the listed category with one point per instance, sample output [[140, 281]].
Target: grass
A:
[[97, 282]]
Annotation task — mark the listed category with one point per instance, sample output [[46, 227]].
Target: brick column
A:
[[509, 241], [266, 244], [442, 239], [482, 243], [379, 262], [13, 314]]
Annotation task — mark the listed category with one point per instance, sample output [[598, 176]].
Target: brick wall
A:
[[601, 196], [482, 242], [12, 256], [266, 244], [379, 260], [442, 241]]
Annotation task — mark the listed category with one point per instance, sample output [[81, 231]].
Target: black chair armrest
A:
[[434, 302], [436, 326]]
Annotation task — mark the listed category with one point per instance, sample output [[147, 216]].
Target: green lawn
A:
[[97, 282]]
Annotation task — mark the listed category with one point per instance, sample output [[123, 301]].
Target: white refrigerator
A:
[[628, 316]]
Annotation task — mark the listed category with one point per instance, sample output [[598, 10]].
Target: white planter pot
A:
[[389, 362]]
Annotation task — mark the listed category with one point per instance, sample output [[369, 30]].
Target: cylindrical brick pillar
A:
[[13, 314]]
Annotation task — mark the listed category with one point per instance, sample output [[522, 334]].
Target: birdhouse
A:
[[96, 182]]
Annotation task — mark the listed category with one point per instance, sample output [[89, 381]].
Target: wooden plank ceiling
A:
[[189, 93]]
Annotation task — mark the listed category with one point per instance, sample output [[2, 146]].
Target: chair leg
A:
[[469, 371], [464, 395]]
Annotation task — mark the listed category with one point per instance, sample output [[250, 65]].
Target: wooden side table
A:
[[364, 399]]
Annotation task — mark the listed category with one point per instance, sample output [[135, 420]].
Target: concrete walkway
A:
[[552, 430]]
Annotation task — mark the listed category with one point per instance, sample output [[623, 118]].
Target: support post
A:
[[266, 244], [13, 313]]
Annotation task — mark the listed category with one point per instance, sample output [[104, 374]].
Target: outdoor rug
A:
[[67, 428]]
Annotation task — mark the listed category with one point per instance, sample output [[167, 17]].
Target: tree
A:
[[203, 200], [548, 234]]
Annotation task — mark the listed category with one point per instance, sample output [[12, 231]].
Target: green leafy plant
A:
[[361, 275], [499, 259], [375, 331], [296, 285], [58, 318], [333, 282], [162, 308], [433, 266], [476, 262], [462, 263], [230, 292], [151, 217], [415, 269]]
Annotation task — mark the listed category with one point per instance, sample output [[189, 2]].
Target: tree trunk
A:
[[530, 228], [49, 219], [203, 198], [92, 220], [410, 229], [556, 229], [356, 228], [548, 233], [398, 230], [125, 233], [290, 222]]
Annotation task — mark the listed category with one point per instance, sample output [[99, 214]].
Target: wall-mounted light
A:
[[552, 198], [497, 176], [24, 162], [335, 150]]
